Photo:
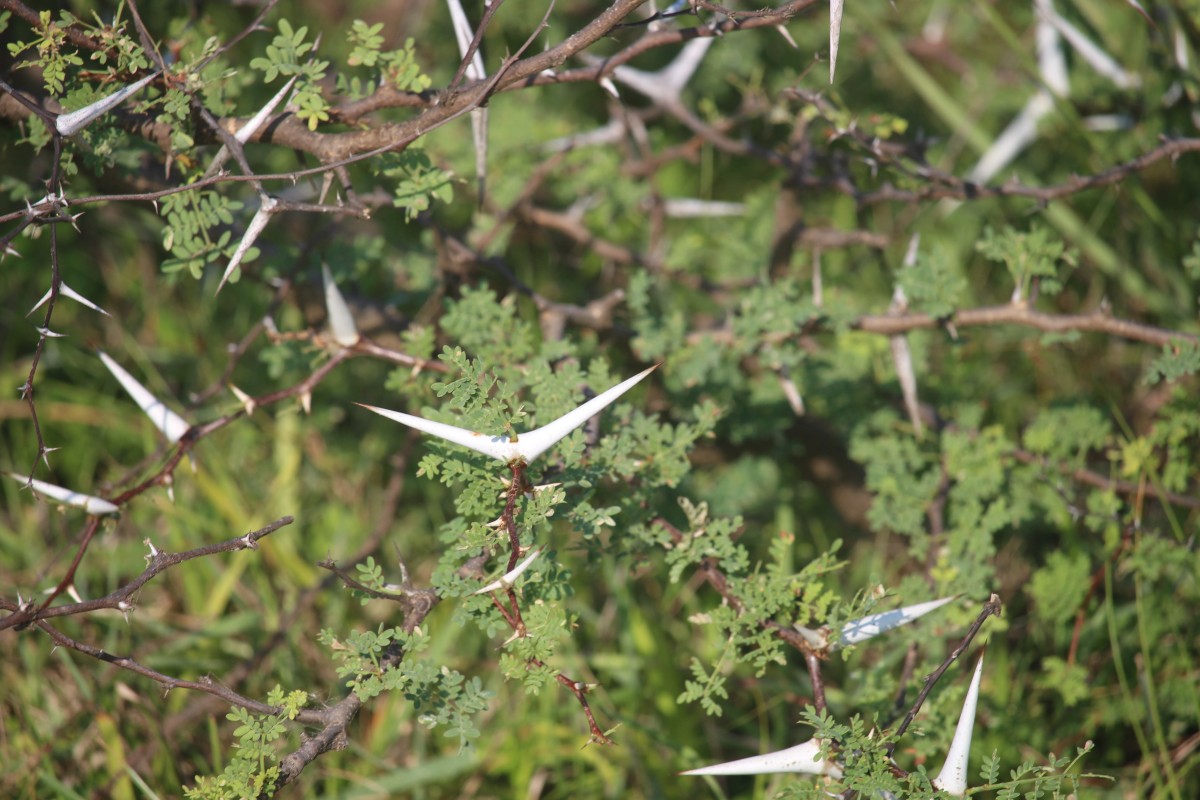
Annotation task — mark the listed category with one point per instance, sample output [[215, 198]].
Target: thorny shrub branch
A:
[[813, 656], [992, 607], [435, 109], [123, 600]]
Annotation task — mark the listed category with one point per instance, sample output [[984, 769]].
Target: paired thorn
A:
[[67, 291], [508, 579], [527, 446], [806, 758]]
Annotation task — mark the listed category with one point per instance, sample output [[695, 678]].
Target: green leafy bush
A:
[[894, 357]]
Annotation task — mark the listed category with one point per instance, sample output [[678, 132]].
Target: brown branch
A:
[[959, 189], [489, 12], [1095, 479], [515, 489], [349, 146], [1098, 321], [352, 583], [992, 607], [385, 97], [122, 598], [580, 690], [813, 662], [575, 230], [1094, 322], [770, 18], [337, 718], [74, 35], [205, 684]]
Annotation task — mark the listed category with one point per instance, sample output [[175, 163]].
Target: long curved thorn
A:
[[953, 777]]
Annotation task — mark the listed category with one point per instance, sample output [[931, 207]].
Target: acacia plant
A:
[[724, 344]]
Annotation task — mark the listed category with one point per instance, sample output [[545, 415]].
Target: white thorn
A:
[[247, 131], [803, 758], [463, 34], [907, 375], [1022, 131], [90, 504], [953, 777], [690, 208], [75, 121], [1052, 62], [246, 400], [791, 392], [74, 593], [665, 85], [610, 87], [787, 36], [859, 630], [1099, 60], [528, 445], [914, 249], [507, 580], [67, 291], [341, 321], [171, 424], [835, 34], [818, 639], [49, 334], [257, 223], [475, 71], [254, 123]]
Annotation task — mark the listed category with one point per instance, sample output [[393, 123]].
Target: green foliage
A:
[[253, 769], [416, 180], [1068, 434], [1058, 589], [441, 697], [395, 68], [692, 526], [1035, 257], [933, 284], [53, 56], [1178, 359], [284, 57], [1067, 680], [193, 234], [1057, 778]]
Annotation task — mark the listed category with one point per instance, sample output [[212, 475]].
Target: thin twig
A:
[[992, 607]]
